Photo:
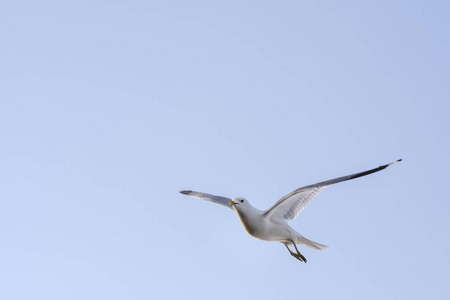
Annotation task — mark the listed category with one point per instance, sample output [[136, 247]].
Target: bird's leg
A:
[[299, 254], [294, 254]]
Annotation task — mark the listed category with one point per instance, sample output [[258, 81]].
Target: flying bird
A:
[[271, 225]]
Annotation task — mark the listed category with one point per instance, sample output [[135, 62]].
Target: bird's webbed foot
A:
[[297, 255]]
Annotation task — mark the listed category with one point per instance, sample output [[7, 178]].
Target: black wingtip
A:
[[185, 192], [393, 163]]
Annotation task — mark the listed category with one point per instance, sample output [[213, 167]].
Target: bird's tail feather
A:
[[305, 242]]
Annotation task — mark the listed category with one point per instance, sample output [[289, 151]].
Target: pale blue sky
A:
[[109, 108]]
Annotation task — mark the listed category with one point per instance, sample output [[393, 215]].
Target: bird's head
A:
[[240, 203]]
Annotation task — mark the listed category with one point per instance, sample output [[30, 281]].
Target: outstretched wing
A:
[[291, 205], [216, 199]]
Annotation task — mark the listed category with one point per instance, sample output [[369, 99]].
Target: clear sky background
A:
[[109, 108]]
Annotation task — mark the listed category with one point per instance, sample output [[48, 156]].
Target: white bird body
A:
[[271, 225], [267, 228]]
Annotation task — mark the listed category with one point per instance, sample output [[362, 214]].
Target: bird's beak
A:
[[232, 203]]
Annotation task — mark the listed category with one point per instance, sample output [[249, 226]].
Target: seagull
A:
[[271, 225]]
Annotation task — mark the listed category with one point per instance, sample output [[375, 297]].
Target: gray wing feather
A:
[[204, 196], [292, 204], [297, 202]]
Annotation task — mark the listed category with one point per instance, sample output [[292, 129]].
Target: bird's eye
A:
[[242, 201]]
